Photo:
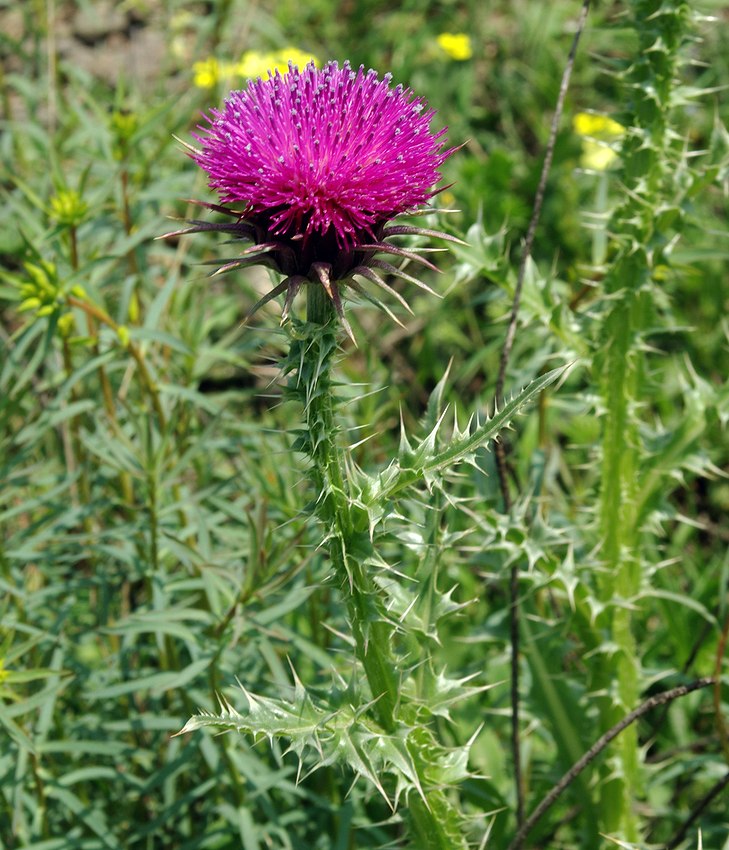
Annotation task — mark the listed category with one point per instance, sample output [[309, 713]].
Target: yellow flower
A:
[[596, 156], [597, 126], [207, 73], [598, 132], [456, 44], [253, 64]]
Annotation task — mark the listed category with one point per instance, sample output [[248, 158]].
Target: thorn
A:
[[295, 283], [191, 149], [375, 301], [410, 230], [413, 256], [394, 270], [373, 277], [269, 296]]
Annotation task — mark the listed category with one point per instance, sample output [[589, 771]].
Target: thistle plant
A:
[[312, 167], [647, 220], [442, 640]]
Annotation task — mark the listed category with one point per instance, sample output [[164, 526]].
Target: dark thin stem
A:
[[685, 668], [514, 697], [128, 222], [215, 689], [500, 445], [40, 792], [538, 202], [703, 803], [598, 747]]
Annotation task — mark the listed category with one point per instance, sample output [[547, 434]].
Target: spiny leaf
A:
[[425, 461], [340, 733]]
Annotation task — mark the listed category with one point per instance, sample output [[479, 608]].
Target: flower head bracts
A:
[[312, 165]]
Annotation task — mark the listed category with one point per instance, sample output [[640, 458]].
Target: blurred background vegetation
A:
[[152, 544]]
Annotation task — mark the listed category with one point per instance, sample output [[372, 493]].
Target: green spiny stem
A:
[[617, 503], [433, 819], [435, 824], [371, 631], [660, 27]]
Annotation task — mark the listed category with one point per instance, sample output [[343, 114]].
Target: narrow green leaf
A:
[[157, 682]]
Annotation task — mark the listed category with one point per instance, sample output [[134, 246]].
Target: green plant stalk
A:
[[236, 784], [106, 392], [149, 385], [434, 821], [94, 312], [125, 480], [371, 632], [169, 659], [127, 216], [622, 576], [77, 451], [649, 181]]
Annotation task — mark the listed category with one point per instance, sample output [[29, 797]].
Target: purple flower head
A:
[[317, 162], [322, 152]]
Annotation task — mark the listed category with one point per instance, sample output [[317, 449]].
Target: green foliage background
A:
[[154, 546]]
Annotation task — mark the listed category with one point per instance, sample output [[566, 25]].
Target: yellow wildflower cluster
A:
[[456, 44], [598, 132], [253, 64]]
